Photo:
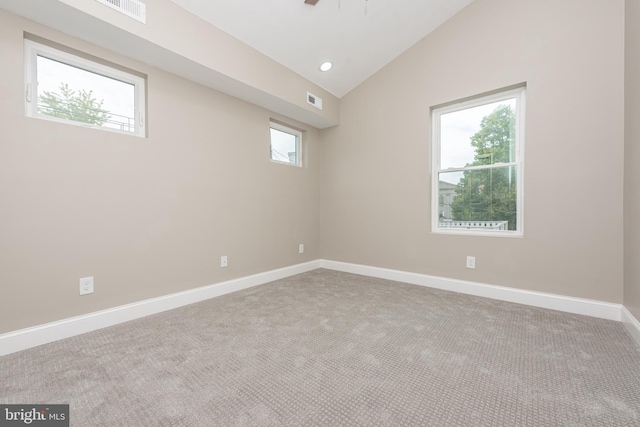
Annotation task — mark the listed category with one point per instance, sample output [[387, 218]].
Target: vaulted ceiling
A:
[[358, 36], [264, 52]]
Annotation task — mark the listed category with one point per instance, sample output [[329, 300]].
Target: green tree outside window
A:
[[79, 106], [490, 194]]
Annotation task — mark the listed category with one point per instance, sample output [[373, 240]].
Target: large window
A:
[[477, 149], [285, 144], [67, 88]]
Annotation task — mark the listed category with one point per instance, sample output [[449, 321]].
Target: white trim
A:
[[54, 331], [12, 342], [600, 309], [632, 324]]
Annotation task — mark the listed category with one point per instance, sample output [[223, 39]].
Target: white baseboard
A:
[[632, 324], [49, 332], [31, 337], [600, 309]]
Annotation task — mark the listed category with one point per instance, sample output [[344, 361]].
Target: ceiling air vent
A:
[[133, 8]]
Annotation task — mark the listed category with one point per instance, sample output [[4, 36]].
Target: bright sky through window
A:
[[69, 88], [285, 144], [477, 165], [118, 96], [458, 127]]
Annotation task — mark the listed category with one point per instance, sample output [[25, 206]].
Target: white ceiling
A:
[[358, 36]]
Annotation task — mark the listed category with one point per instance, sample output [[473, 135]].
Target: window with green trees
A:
[[477, 150], [69, 88]]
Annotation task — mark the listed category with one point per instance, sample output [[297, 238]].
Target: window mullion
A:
[[479, 167]]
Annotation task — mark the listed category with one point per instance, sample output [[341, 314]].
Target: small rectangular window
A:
[[285, 144], [477, 165], [67, 88]]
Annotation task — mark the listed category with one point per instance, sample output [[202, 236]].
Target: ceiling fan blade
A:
[[311, 2]]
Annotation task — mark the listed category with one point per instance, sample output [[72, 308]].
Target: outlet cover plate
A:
[[86, 285], [471, 262]]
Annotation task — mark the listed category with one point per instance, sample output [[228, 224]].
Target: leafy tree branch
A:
[[79, 106]]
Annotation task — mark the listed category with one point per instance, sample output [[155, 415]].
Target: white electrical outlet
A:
[[471, 262], [301, 248], [223, 261], [86, 285]]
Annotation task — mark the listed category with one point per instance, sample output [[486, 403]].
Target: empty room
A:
[[320, 213]]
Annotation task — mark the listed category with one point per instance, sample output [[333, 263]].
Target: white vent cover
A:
[[316, 101], [133, 8]]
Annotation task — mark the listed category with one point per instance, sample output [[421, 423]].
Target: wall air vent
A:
[[316, 101], [133, 8]]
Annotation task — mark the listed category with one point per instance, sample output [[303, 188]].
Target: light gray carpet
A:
[[333, 349]]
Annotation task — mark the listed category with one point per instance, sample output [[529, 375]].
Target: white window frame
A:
[[34, 49], [286, 129], [518, 94]]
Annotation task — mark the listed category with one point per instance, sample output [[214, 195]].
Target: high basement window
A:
[[67, 88], [286, 144]]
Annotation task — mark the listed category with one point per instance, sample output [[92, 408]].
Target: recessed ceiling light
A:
[[326, 66]]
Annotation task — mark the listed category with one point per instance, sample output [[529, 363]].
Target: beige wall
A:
[[632, 159], [145, 217], [148, 217], [375, 195]]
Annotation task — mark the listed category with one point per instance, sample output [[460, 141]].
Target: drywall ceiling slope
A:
[[358, 36], [109, 29]]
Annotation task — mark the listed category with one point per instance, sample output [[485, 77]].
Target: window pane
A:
[[71, 93], [481, 135], [478, 199], [284, 147]]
